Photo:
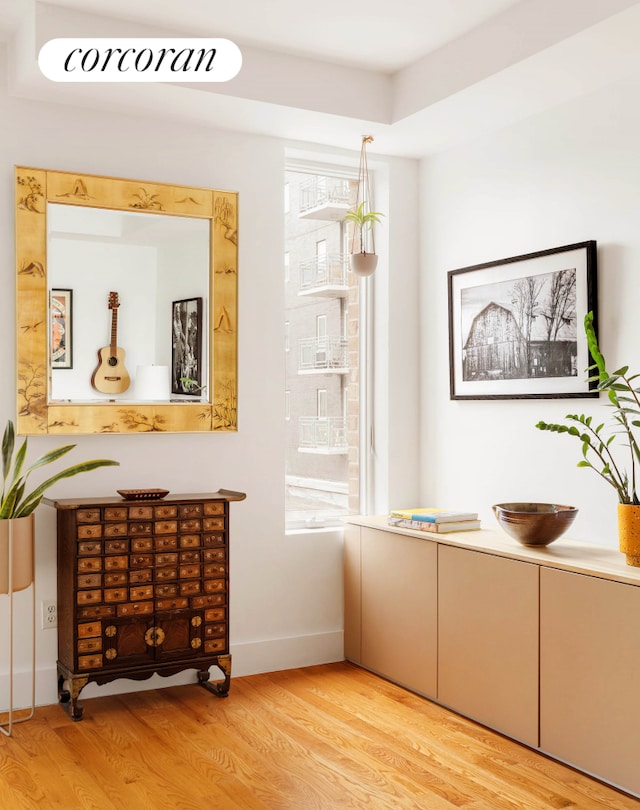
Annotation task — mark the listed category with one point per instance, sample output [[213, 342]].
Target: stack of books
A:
[[434, 520]]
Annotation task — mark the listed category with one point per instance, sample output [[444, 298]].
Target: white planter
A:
[[363, 264], [21, 530]]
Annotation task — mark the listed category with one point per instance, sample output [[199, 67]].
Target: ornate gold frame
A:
[[36, 415]]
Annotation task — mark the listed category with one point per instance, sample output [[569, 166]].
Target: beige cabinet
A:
[[391, 608], [590, 674], [488, 640]]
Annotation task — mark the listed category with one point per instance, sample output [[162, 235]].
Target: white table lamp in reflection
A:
[[152, 383]]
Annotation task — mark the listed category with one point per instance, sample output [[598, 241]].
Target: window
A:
[[321, 403], [323, 363], [287, 336], [287, 275]]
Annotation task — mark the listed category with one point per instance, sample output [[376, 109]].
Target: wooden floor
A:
[[327, 737]]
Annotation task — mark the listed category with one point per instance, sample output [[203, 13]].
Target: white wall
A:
[[286, 590], [566, 176]]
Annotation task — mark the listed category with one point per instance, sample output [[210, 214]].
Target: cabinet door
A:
[[488, 640], [399, 608], [352, 619], [590, 674]]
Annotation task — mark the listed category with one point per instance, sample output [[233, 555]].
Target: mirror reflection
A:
[[129, 304]]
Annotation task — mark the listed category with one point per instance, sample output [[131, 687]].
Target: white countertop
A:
[[563, 553]]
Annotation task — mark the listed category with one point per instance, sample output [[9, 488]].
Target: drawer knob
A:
[[154, 636]]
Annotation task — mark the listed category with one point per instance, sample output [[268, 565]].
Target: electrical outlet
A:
[[49, 615]]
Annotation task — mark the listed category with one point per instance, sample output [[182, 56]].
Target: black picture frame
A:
[[186, 347], [516, 325], [61, 328]]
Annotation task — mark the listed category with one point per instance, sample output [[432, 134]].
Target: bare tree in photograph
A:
[[525, 293]]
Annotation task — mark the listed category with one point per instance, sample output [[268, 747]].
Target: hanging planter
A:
[[363, 264], [19, 533], [363, 259]]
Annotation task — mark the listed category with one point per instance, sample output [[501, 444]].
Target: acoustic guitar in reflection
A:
[[111, 376]]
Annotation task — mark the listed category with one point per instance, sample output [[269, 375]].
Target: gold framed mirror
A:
[[208, 403]]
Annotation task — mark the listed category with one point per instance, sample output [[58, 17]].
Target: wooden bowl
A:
[[534, 524]]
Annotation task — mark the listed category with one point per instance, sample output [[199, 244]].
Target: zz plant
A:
[[15, 500], [623, 393]]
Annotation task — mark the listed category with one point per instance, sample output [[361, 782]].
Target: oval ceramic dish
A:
[[534, 524]]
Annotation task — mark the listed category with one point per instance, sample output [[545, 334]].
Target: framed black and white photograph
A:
[[61, 328], [186, 347], [516, 325]]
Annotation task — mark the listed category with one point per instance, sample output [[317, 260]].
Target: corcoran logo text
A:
[[173, 59]]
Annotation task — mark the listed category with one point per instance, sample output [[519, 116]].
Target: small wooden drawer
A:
[[141, 544], [95, 612], [167, 590], [86, 597], [190, 571], [214, 508], [114, 563], [88, 515], [87, 645], [193, 525], [216, 614], [208, 600], [90, 547], [213, 523], [189, 540], [215, 554], [140, 592], [89, 531], [189, 588], [166, 559], [141, 575], [88, 629], [115, 595], [164, 574], [89, 580], [140, 512], [141, 560], [116, 546], [215, 585], [164, 543], [135, 609], [115, 578], [172, 604], [189, 556], [214, 645], [214, 539], [115, 530], [166, 526], [89, 661], [215, 630], [165, 511], [89, 564], [187, 510], [140, 528], [215, 570], [116, 513]]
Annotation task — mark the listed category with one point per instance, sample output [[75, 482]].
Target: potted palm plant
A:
[[17, 505], [598, 449], [364, 260]]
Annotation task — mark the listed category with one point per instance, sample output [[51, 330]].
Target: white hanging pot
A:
[[363, 264], [21, 532]]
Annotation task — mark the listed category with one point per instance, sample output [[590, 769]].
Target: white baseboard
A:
[[248, 658]]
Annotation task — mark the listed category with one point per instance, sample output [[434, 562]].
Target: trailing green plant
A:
[[363, 221], [624, 398], [15, 501]]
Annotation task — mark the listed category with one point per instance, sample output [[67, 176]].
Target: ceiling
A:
[[418, 76]]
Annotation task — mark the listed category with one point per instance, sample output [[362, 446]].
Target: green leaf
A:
[[584, 464], [8, 441], [27, 506]]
